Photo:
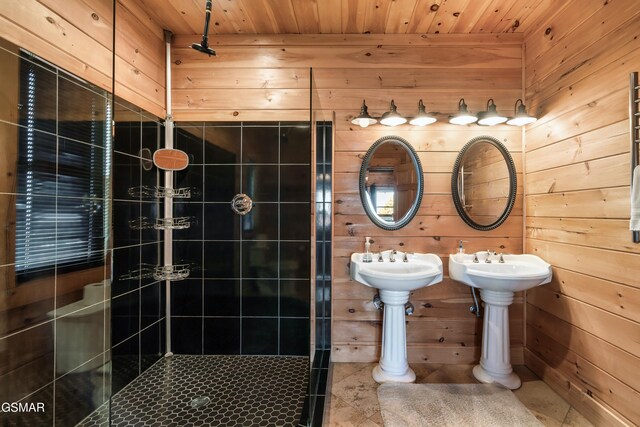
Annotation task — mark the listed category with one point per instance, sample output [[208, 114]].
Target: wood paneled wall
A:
[[140, 58], [77, 35], [267, 78], [582, 329], [442, 330]]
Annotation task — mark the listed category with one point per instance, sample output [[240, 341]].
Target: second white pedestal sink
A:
[[498, 281], [395, 280]]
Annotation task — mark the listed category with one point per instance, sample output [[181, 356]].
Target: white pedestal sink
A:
[[497, 283], [395, 280]]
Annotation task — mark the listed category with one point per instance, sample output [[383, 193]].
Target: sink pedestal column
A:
[[393, 365], [495, 362]]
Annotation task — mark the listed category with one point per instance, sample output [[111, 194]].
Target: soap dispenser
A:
[[460, 254], [367, 257]]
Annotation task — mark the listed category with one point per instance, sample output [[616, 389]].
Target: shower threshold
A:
[[211, 391]]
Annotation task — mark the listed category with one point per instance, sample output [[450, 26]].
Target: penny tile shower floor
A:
[[211, 391]]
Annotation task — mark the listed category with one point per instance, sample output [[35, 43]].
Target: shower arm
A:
[[204, 44], [207, 18]]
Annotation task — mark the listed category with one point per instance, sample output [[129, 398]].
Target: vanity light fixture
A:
[[521, 117], [464, 117], [364, 119], [422, 118], [490, 117], [391, 117]]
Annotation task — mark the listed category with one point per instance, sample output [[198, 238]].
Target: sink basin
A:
[[518, 273], [497, 283], [419, 271], [395, 281]]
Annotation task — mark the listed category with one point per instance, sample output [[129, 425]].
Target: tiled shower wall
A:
[[320, 367], [249, 289], [324, 150], [55, 151], [137, 304]]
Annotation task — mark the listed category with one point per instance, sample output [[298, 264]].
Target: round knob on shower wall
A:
[[241, 204]]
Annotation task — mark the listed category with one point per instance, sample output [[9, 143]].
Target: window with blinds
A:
[[63, 164]]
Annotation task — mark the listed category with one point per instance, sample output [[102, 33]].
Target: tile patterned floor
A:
[[241, 391], [353, 398]]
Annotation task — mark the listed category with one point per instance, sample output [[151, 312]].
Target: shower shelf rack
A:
[[144, 272], [172, 272], [179, 223], [147, 192], [159, 272]]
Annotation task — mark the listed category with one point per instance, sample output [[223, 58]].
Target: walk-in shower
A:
[[240, 321]]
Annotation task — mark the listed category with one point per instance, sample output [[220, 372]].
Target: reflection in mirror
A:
[[146, 159], [391, 183], [484, 183]]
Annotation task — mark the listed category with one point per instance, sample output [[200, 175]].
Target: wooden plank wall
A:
[[267, 78], [582, 329], [77, 35]]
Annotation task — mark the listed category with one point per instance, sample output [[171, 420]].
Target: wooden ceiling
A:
[[349, 16]]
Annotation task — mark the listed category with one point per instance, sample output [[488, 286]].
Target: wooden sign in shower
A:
[[171, 159]]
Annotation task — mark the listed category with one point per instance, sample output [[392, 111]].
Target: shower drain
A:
[[200, 402]]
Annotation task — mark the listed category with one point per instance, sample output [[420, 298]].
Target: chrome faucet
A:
[[392, 255], [475, 258], [488, 258], [380, 259], [501, 259], [405, 257]]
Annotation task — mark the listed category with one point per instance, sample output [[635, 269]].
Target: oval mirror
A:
[[391, 183], [483, 183]]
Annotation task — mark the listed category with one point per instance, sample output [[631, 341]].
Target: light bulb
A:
[[521, 121], [521, 117], [422, 121], [464, 117], [463, 120], [391, 117], [492, 120], [393, 121], [363, 123], [364, 119], [422, 118], [490, 117]]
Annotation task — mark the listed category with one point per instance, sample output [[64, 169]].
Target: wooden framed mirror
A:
[[483, 183], [391, 183]]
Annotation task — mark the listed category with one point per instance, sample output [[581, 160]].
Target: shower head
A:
[[204, 48], [204, 45]]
